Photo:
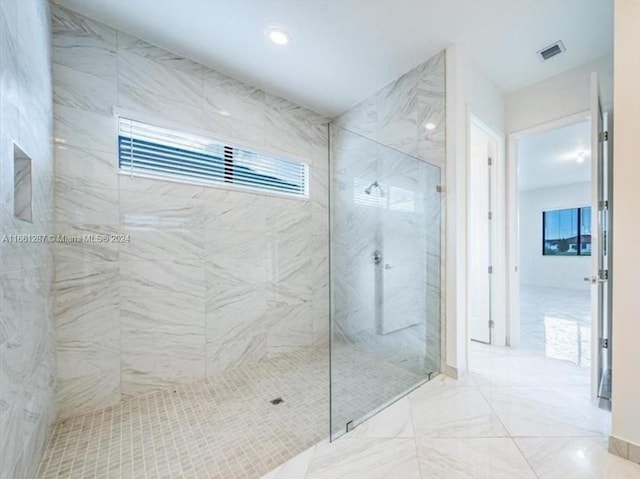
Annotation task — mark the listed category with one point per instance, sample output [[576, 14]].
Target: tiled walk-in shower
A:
[[223, 427], [188, 325]]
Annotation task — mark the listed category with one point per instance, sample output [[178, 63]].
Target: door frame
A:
[[513, 208], [497, 228]]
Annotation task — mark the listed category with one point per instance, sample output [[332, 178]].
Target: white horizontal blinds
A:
[[255, 169], [151, 150]]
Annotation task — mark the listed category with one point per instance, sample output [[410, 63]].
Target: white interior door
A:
[[479, 230], [600, 272]]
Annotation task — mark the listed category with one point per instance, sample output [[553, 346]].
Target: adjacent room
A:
[[554, 172]]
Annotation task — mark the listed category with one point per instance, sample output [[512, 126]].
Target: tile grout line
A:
[[526, 459], [415, 437]]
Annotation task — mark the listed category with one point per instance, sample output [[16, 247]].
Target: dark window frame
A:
[[579, 234]]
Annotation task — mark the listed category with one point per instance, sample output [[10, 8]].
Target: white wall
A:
[[484, 99], [626, 227], [468, 91], [551, 271], [558, 97]]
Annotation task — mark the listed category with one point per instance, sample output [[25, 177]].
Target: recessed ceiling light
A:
[[278, 36], [430, 126]]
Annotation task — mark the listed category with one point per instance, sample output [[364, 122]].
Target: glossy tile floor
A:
[[519, 413], [557, 323], [223, 427], [516, 415]]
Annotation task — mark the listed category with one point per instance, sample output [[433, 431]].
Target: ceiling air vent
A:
[[551, 50]]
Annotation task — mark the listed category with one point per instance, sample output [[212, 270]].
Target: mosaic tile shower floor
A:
[[223, 427]]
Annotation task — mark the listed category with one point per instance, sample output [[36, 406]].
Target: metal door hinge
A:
[[604, 343], [490, 161], [603, 274], [490, 215], [440, 189], [603, 136], [603, 205], [490, 269], [492, 324]]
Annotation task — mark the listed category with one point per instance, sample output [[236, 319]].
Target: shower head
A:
[[373, 185]]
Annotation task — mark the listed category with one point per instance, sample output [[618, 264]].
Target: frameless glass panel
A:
[[385, 276]]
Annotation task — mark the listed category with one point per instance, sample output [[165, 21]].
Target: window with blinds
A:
[[148, 150]]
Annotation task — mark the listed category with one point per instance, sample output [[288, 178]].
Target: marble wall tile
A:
[[88, 379], [83, 91], [238, 257], [85, 169], [83, 44], [235, 312], [293, 129], [228, 128], [160, 110], [27, 362], [235, 353], [397, 108], [162, 227], [212, 278], [85, 205], [85, 129], [162, 322], [138, 184], [158, 55], [290, 326], [228, 97], [141, 73]]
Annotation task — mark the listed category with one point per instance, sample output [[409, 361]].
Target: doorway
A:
[[554, 242], [559, 237]]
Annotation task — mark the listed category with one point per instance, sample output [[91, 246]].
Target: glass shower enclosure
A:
[[385, 234]]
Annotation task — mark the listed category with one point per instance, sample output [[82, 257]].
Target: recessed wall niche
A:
[[22, 208]]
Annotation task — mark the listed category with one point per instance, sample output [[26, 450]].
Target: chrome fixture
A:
[[376, 257], [375, 184]]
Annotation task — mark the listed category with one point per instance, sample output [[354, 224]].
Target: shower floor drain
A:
[[276, 401]]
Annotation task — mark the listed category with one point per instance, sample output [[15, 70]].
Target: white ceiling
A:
[[549, 158], [341, 51]]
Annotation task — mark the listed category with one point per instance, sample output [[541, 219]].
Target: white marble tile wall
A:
[[27, 353], [211, 278], [395, 137]]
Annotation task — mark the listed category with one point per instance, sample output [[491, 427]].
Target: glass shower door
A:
[[385, 276]]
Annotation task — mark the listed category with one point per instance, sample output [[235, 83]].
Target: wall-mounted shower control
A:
[[376, 257]]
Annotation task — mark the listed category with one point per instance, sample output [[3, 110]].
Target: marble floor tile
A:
[[296, 468], [472, 458], [453, 412], [393, 421], [550, 412], [556, 323], [349, 458], [575, 458]]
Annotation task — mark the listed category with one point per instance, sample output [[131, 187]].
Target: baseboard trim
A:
[[624, 449], [451, 372]]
